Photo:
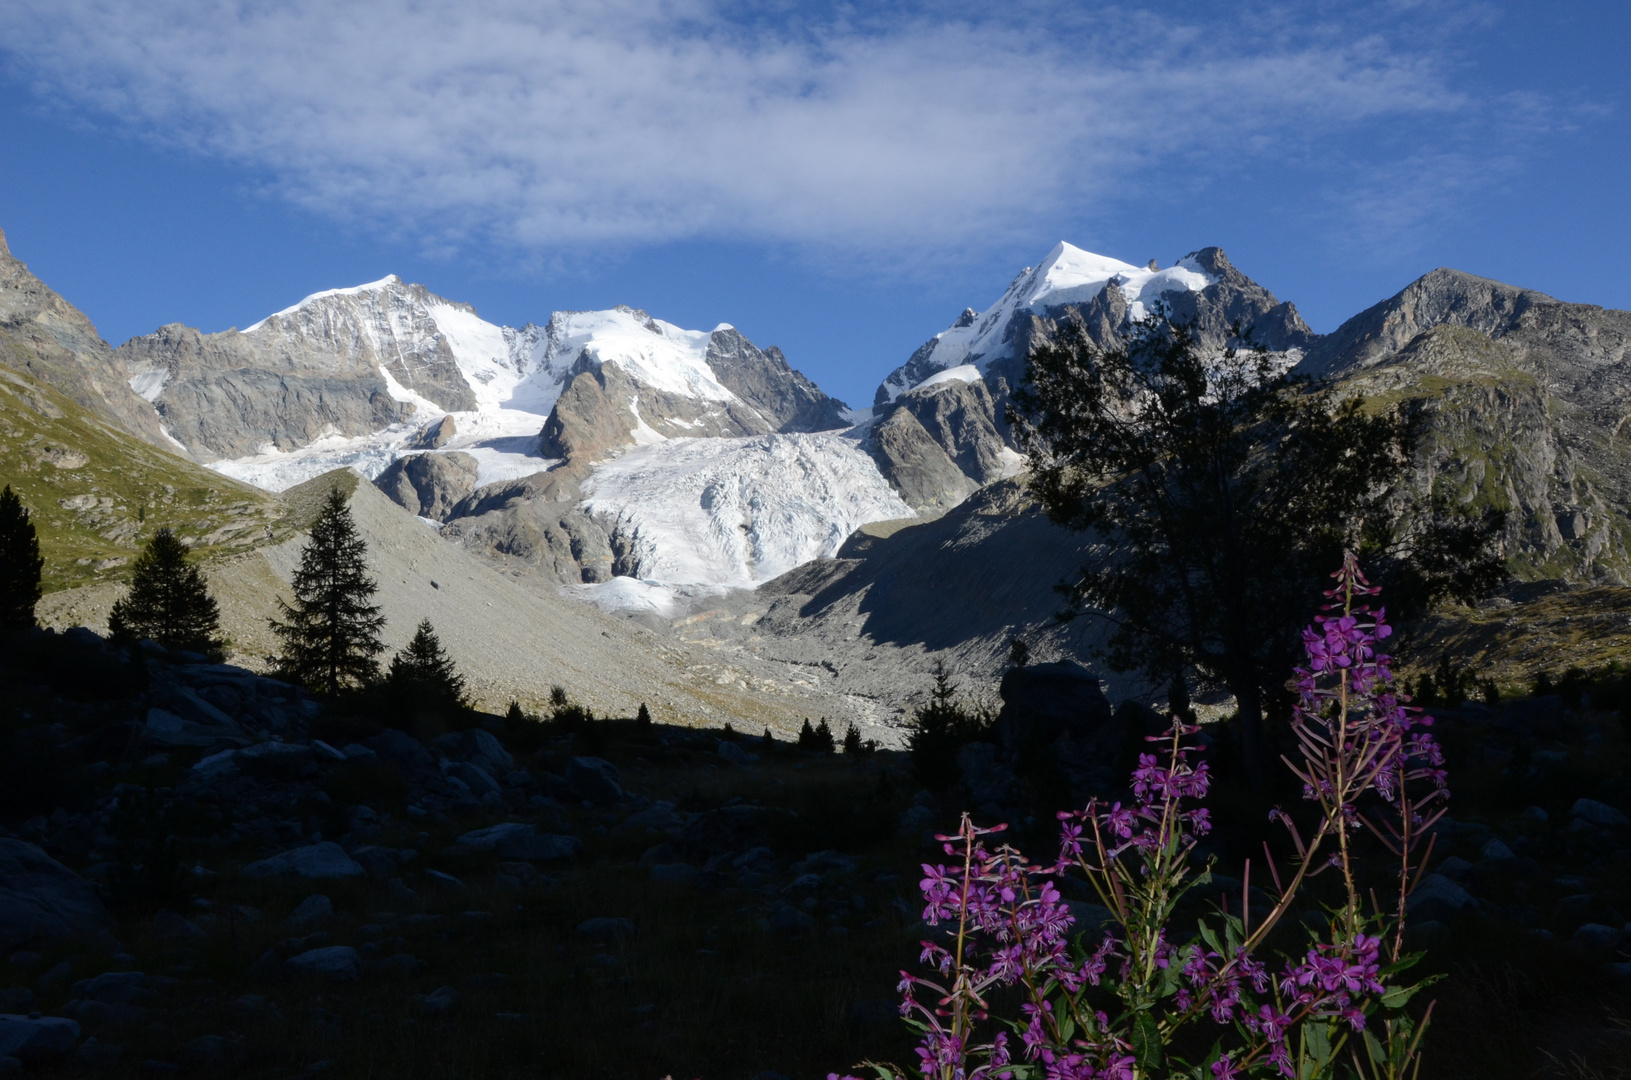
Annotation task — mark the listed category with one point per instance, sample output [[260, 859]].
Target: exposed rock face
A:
[[429, 485], [939, 442], [1441, 298], [435, 435], [47, 337], [762, 377], [632, 378], [963, 417], [318, 368], [1529, 421], [537, 522]]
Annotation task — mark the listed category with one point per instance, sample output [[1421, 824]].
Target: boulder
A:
[[594, 780], [312, 910], [166, 729], [43, 901], [317, 861], [1438, 898], [1597, 813], [37, 1038], [274, 760], [478, 747], [674, 873], [430, 485], [734, 754], [477, 780], [334, 963], [515, 840], [1050, 701], [434, 435], [213, 1055], [1599, 937]]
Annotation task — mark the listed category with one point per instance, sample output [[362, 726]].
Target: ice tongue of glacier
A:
[[736, 512]]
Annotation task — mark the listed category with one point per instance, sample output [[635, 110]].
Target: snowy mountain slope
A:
[[1068, 275], [736, 512]]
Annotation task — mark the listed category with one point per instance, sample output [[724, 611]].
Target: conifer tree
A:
[[330, 633], [20, 564], [852, 740], [807, 736], [643, 718], [422, 675], [168, 602], [823, 741]]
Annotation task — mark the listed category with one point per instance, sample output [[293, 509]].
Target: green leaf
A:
[[1318, 1042], [1146, 1040], [1398, 996], [1403, 963], [1067, 1028], [1210, 936]]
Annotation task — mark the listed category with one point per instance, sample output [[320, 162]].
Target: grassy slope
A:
[[97, 494]]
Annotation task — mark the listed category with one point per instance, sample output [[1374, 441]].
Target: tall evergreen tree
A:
[[423, 675], [20, 564], [168, 601], [330, 634]]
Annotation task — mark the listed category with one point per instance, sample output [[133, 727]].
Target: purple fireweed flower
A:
[[1224, 1068]]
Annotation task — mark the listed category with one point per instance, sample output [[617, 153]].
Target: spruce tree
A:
[[423, 677], [807, 736], [20, 564], [823, 742], [168, 602], [642, 719], [852, 740], [330, 633]]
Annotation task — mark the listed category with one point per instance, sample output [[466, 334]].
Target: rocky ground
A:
[[205, 872]]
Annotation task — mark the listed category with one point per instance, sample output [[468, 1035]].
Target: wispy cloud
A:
[[568, 124]]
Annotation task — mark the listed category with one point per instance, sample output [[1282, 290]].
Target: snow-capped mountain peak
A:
[[1069, 275]]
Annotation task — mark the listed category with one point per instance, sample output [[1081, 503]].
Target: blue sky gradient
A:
[[836, 185]]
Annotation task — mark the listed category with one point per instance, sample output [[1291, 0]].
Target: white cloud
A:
[[557, 123]]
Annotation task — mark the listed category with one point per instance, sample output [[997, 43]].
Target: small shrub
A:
[[642, 719]]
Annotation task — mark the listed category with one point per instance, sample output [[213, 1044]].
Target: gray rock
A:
[[165, 728], [734, 754], [430, 485], [446, 881], [1437, 898], [37, 1038], [514, 840], [317, 861], [301, 373], [479, 747], [439, 1001], [1061, 699], [1598, 813], [477, 780], [1496, 849], [42, 901], [311, 911], [115, 988], [274, 760], [656, 819], [1599, 937], [594, 779], [435, 435], [606, 929], [1534, 815], [398, 965], [335, 963], [10, 1067]]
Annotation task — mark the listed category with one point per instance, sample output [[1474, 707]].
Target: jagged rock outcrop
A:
[[632, 379], [1441, 298], [764, 379], [324, 366], [50, 339], [990, 351], [1529, 420], [941, 441], [535, 521], [435, 435], [429, 485], [222, 396]]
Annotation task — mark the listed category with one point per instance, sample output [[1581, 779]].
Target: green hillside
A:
[[97, 494]]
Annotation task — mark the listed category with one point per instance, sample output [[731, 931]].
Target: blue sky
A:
[[837, 180]]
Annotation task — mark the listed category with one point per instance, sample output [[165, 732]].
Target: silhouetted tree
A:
[[939, 730], [823, 742], [422, 676], [168, 602], [330, 634], [852, 740], [20, 564], [642, 719], [1228, 490]]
